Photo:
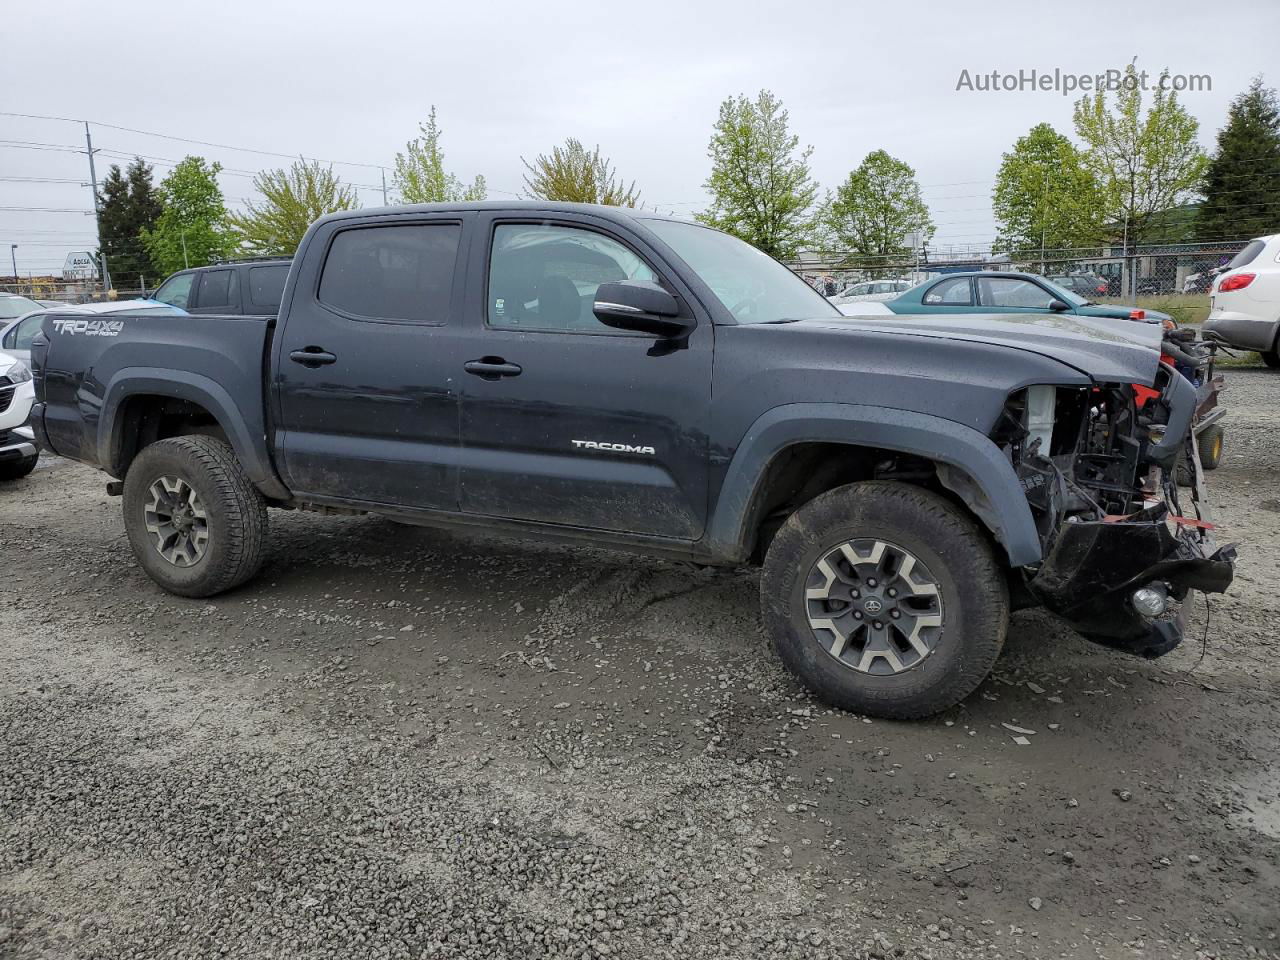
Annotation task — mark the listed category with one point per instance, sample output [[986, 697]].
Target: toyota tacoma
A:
[[614, 377]]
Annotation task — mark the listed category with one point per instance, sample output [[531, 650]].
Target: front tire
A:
[[1271, 358], [17, 469], [196, 523], [885, 599]]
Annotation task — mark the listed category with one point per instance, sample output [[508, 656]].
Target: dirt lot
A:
[[404, 743]]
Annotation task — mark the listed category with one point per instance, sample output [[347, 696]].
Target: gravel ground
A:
[[405, 743]]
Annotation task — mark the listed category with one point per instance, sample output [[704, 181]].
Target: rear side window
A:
[[266, 286], [950, 293], [219, 288], [394, 272], [1248, 254]]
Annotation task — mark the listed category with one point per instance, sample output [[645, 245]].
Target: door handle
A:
[[492, 368], [313, 357]]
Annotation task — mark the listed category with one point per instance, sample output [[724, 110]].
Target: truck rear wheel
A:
[[196, 523], [884, 599]]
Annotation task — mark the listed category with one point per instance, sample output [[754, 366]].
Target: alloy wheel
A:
[[874, 606], [176, 520]]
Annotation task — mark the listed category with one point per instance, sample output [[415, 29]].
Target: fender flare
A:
[[250, 449], [945, 441]]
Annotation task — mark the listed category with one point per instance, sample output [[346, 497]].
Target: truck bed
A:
[[89, 366]]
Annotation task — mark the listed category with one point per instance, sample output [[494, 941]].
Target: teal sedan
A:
[[988, 291]]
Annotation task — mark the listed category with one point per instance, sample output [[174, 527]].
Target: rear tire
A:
[[17, 469], [1271, 358], [196, 523], [952, 586], [1210, 443]]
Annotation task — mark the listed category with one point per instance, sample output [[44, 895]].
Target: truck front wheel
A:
[[885, 599], [196, 523]]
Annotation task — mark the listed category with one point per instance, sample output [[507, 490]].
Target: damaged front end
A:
[[1123, 546]]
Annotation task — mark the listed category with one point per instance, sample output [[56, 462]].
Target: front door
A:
[[565, 420], [369, 361]]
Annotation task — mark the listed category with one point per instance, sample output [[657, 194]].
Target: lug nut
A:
[[857, 614], [877, 624], [893, 592], [895, 614], [871, 582]]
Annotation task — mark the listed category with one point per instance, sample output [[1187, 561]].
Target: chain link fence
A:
[[1174, 277], [64, 291]]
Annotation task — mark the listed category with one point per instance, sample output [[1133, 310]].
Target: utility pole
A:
[[383, 171], [97, 210], [13, 254], [185, 264]]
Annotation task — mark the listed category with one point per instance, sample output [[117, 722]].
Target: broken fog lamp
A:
[[1151, 600]]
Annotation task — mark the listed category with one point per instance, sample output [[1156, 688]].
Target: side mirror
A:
[[640, 306], [1059, 306]]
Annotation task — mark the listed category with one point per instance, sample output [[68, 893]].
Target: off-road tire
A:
[[17, 469], [973, 594], [235, 512], [1210, 442]]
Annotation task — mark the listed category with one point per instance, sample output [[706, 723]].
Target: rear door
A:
[[565, 420], [367, 366]]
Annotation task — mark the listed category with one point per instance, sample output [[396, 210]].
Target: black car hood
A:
[[1112, 351]]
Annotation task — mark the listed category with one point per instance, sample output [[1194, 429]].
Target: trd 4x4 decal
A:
[[90, 328]]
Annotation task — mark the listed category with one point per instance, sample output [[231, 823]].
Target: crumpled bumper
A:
[[1094, 568]]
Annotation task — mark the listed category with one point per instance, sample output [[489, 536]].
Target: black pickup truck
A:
[[619, 378]]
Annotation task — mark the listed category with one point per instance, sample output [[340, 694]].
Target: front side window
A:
[[176, 291], [752, 286], [20, 337], [950, 293], [398, 272], [544, 276], [1010, 292]]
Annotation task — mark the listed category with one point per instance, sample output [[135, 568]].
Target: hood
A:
[[1106, 349], [1121, 312]]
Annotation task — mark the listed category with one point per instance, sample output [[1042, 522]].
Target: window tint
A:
[[1008, 292], [176, 291], [544, 277], [266, 286], [1248, 254], [400, 272], [218, 288], [950, 293]]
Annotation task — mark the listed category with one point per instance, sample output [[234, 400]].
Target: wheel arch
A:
[[195, 403], [969, 466]]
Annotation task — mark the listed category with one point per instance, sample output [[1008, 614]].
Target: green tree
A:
[[294, 199], [760, 184], [192, 227], [1045, 196], [1242, 184], [577, 175], [876, 209], [129, 204], [1147, 162], [420, 176]]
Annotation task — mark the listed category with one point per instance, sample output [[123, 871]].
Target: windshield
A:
[[1062, 293], [11, 307], [753, 286]]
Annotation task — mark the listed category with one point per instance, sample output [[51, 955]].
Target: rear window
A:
[[401, 272], [1248, 254], [266, 286]]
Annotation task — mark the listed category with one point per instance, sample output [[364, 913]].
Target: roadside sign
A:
[[80, 266]]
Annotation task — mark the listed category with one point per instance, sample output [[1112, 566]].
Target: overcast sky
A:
[[350, 82]]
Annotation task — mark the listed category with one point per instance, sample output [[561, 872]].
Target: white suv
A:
[[1245, 301], [18, 453]]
